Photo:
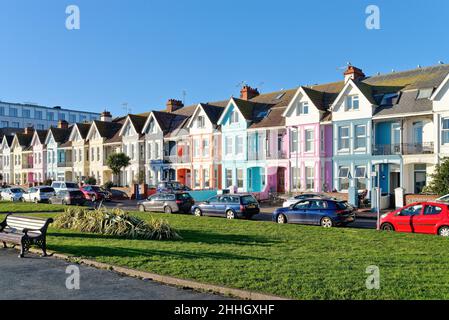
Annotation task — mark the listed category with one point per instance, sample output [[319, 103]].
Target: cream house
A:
[[99, 133], [80, 151], [133, 145], [7, 159]]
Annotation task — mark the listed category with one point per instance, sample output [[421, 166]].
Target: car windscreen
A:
[[17, 190], [342, 205], [47, 190], [248, 200], [70, 185], [183, 196]]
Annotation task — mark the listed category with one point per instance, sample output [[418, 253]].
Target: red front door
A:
[[281, 180]]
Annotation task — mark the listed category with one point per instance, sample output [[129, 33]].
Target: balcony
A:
[[387, 149], [276, 155], [65, 164], [403, 149], [418, 148], [177, 159]]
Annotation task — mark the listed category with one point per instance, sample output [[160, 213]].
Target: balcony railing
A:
[[418, 148], [274, 155], [177, 159], [404, 149], [65, 164], [387, 149]]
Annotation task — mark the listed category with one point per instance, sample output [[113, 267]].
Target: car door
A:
[[151, 204], [403, 221], [220, 206], [316, 211], [428, 220], [298, 213], [208, 207]]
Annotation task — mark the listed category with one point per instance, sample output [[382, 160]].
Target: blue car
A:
[[321, 212], [229, 206]]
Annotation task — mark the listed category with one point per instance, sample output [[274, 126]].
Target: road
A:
[[45, 278]]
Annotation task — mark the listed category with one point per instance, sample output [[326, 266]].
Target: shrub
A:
[[48, 182], [90, 181], [115, 223], [108, 185]]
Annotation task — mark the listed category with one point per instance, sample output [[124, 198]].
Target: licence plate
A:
[[251, 206]]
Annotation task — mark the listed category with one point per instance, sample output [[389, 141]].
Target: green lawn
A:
[[288, 260], [19, 207]]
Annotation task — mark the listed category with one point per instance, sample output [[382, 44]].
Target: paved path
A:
[[44, 278]]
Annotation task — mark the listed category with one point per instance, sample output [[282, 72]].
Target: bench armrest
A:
[[3, 223], [25, 231]]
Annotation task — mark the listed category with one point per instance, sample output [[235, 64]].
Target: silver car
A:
[[38, 194], [294, 200], [167, 202], [12, 194]]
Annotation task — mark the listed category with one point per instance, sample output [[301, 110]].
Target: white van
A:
[[65, 186]]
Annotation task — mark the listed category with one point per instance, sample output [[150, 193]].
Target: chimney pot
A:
[[247, 93], [28, 130], [173, 105], [353, 73], [106, 116], [62, 124]]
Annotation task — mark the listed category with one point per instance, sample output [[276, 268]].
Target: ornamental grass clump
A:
[[115, 223]]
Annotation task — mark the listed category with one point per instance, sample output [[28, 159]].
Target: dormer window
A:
[[151, 127], [352, 103], [302, 108], [234, 117], [200, 122]]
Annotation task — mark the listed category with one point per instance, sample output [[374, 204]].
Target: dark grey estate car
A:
[[167, 202]]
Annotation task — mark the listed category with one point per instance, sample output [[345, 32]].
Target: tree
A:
[[117, 161], [90, 181], [439, 179]]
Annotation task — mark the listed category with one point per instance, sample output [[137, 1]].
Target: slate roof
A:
[[41, 134], [406, 103], [274, 118], [9, 140], [138, 121], [23, 139], [83, 129], [213, 112], [107, 129], [60, 135]]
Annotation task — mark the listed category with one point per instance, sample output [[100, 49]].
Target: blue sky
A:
[[144, 52]]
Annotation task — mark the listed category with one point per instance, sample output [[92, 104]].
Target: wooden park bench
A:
[[25, 231]]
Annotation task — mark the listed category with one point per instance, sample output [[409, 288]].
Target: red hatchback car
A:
[[421, 217]]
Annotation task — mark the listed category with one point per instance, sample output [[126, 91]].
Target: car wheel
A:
[[444, 231], [326, 222], [281, 219], [35, 200], [141, 208], [387, 227], [63, 203], [230, 215], [197, 212], [167, 209], [22, 199], [49, 201]]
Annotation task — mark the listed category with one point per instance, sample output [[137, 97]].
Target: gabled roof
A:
[[83, 129], [8, 140], [138, 122], [105, 129], [23, 139], [274, 118], [40, 135], [61, 135]]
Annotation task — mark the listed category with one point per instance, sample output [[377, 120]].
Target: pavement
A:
[[36, 278]]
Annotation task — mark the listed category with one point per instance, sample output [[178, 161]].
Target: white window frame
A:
[[310, 179], [340, 138], [364, 136], [228, 145], [444, 131], [351, 101], [239, 145], [309, 141], [340, 176]]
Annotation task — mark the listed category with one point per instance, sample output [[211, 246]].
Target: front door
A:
[[281, 180]]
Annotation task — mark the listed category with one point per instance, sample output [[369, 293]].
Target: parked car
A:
[[443, 198], [38, 194], [293, 200], [167, 202], [95, 193], [325, 212], [64, 185], [118, 194], [171, 186], [421, 217], [68, 197], [12, 194], [229, 206]]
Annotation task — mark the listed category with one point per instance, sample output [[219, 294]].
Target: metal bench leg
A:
[[24, 247], [43, 246]]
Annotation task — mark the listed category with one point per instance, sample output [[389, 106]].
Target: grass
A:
[[294, 261], [25, 207]]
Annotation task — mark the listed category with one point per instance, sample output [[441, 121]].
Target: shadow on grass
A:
[[188, 236], [121, 252]]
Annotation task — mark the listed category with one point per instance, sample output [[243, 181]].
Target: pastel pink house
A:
[[309, 126]]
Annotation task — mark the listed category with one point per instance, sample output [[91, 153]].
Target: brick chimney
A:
[[62, 124], [353, 73], [173, 105], [248, 93], [28, 130], [106, 116]]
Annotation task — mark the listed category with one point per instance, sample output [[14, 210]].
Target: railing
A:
[[387, 149], [177, 159], [27, 165], [404, 148], [276, 155], [254, 156], [418, 148], [65, 164]]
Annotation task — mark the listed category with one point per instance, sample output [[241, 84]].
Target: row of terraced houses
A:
[[320, 137]]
